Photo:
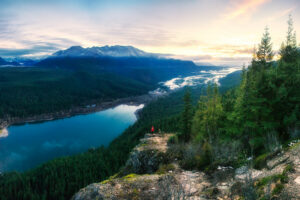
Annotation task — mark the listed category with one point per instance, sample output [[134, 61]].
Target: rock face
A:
[[132, 187], [148, 155], [140, 179], [146, 158]]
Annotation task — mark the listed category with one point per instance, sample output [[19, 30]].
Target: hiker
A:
[[152, 129]]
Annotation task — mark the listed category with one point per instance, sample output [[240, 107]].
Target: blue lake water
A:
[[25, 146]]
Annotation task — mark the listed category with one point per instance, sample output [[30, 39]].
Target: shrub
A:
[[173, 140], [288, 168], [261, 161], [278, 188], [196, 156]]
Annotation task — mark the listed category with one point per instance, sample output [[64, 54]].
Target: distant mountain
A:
[[24, 61], [111, 51], [126, 61], [7, 63]]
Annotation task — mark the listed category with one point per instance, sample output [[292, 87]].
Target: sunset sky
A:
[[213, 31]]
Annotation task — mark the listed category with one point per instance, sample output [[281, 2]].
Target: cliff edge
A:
[[150, 174]]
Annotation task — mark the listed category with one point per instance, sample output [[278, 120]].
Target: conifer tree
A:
[[291, 34], [187, 116], [206, 122], [289, 50], [265, 52]]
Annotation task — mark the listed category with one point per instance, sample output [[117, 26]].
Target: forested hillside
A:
[[32, 90]]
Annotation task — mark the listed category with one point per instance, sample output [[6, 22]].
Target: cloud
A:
[[242, 7], [196, 58], [215, 59], [35, 50], [281, 14], [229, 49]]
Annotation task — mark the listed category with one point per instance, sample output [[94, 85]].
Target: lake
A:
[[26, 146]]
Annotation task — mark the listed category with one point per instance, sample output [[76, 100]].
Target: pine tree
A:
[[265, 52], [291, 34], [187, 116], [289, 50], [206, 122]]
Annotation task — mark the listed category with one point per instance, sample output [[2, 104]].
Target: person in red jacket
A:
[[152, 129]]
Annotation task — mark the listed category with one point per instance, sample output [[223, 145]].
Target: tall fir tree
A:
[[289, 50], [291, 34], [207, 119], [187, 116], [265, 52]]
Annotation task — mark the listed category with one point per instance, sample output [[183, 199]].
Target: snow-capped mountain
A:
[[112, 51]]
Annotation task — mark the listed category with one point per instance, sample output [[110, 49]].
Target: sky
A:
[[220, 32]]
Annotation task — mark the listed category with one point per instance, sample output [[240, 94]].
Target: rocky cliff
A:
[[149, 174]]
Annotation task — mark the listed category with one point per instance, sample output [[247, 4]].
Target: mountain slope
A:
[[145, 69]]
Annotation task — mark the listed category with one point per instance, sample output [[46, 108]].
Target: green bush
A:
[[197, 157], [173, 140]]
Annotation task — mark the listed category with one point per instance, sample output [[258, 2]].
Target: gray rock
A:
[[277, 161]]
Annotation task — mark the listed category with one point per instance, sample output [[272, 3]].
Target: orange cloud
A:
[[242, 7]]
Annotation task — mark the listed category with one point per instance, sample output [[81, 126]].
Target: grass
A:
[[278, 188], [288, 168], [277, 179]]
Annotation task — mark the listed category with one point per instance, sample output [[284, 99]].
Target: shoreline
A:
[[80, 110]]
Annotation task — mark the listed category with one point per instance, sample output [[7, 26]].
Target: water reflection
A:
[[25, 146]]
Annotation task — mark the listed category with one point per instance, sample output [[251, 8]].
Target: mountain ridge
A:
[[103, 51]]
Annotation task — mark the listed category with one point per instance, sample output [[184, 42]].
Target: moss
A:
[[105, 181], [165, 168], [110, 178], [130, 177]]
